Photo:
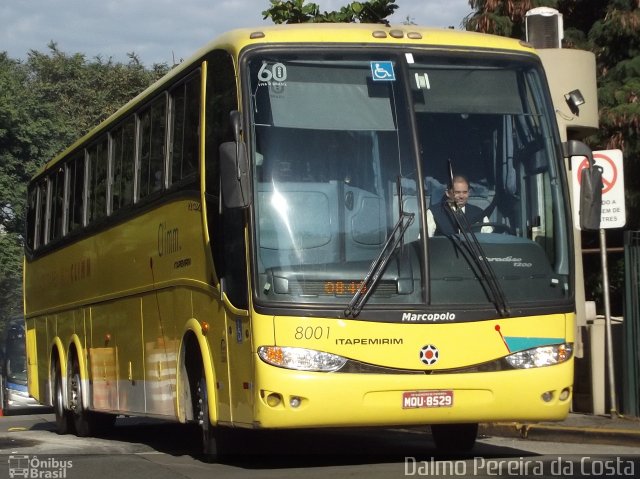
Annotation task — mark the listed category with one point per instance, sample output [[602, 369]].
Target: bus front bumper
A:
[[292, 399]]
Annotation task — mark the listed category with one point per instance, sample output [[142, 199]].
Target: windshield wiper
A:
[[379, 265], [476, 252]]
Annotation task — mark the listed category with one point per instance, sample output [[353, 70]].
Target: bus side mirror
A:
[[234, 168], [590, 186]]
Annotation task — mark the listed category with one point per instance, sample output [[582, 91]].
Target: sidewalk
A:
[[576, 428]]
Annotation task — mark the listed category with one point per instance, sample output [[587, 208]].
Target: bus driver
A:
[[440, 220]]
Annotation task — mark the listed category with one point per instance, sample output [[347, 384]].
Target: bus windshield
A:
[[345, 144]]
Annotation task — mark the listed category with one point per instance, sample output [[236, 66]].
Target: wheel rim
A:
[[75, 396], [202, 408]]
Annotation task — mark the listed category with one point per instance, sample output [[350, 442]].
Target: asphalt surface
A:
[[577, 427]]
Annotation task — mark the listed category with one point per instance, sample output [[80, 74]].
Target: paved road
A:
[[153, 449]]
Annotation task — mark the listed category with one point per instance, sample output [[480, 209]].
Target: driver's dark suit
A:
[[446, 224]]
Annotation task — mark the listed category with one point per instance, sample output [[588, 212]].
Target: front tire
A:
[[210, 434]]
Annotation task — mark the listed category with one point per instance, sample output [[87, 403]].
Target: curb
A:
[[562, 433]]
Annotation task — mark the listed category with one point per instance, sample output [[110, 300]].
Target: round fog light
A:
[[273, 399], [548, 396], [564, 395], [294, 401]]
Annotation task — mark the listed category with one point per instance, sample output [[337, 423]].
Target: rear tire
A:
[[64, 423], [86, 423], [455, 437]]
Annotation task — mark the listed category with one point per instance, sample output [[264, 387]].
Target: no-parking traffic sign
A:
[[613, 207]]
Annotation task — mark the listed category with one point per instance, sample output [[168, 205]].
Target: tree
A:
[[82, 92], [610, 29], [46, 103], [19, 146], [615, 39], [501, 17], [296, 11]]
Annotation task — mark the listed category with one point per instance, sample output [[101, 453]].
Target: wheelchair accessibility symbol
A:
[[383, 71]]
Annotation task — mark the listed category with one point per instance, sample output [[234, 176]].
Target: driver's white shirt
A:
[[431, 224]]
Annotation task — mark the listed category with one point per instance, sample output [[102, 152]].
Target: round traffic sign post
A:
[[609, 173]]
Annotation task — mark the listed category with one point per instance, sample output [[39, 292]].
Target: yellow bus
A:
[[246, 244]]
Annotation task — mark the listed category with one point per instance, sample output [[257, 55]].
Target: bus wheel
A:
[[211, 450], [79, 415], [63, 417], [454, 437], [86, 423]]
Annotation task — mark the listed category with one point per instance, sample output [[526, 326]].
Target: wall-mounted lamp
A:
[[574, 99]]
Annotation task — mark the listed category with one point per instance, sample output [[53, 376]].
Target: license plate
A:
[[420, 399]]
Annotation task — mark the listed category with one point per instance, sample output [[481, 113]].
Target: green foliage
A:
[[24, 134], [291, 11], [297, 11], [502, 17], [84, 93], [610, 29], [578, 17], [46, 103], [11, 277], [615, 39]]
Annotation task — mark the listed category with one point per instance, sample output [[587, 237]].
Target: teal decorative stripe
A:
[[520, 344]]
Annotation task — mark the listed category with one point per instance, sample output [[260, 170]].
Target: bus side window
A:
[[97, 197], [76, 171], [152, 129], [185, 126], [32, 205], [42, 223], [123, 151], [57, 203]]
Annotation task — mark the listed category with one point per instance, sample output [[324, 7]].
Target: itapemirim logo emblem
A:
[[429, 354]]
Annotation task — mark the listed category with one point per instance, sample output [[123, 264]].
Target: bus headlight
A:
[[541, 356], [300, 359]]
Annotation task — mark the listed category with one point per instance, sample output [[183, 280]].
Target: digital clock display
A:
[[339, 288]]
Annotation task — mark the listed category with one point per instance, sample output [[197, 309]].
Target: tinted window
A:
[[152, 141], [57, 203], [41, 228], [32, 205], [98, 180], [226, 229], [76, 171], [185, 103], [124, 149]]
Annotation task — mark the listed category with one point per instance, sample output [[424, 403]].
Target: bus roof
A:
[[360, 34]]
